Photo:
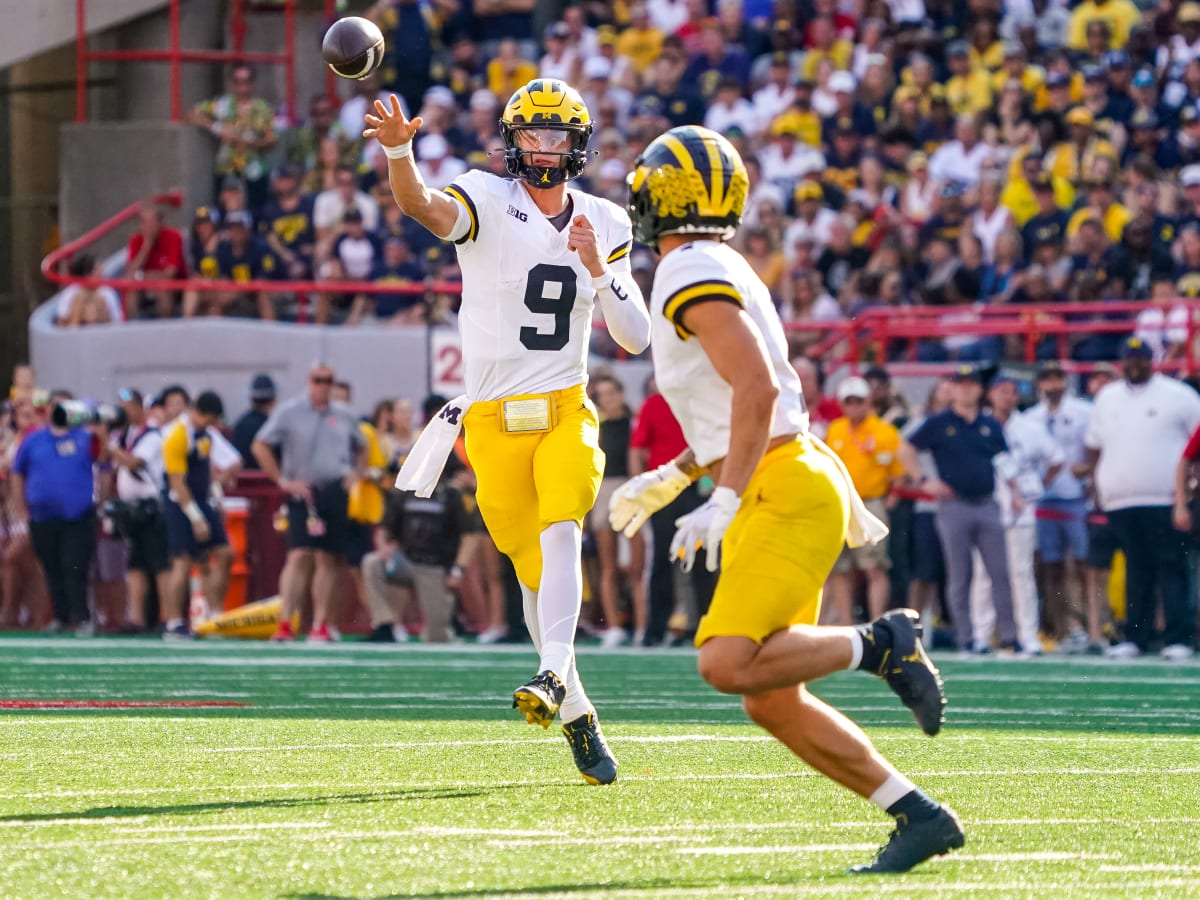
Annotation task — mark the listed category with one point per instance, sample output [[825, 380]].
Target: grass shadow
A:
[[185, 809]]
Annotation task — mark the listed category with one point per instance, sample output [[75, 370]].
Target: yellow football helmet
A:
[[556, 122], [689, 180]]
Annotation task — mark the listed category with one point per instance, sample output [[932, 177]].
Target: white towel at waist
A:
[[426, 460], [865, 527]]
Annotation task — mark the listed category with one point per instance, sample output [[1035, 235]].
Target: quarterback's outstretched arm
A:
[[436, 211]]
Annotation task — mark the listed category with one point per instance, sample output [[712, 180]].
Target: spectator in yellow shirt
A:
[[509, 71], [826, 45], [869, 447], [967, 89], [641, 42], [1018, 197], [1120, 15], [1103, 208], [1016, 68], [1073, 159]]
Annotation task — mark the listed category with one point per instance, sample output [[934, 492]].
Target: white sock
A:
[[576, 702], [888, 793], [560, 595], [856, 649], [529, 601]]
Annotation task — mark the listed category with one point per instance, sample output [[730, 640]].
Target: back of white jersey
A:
[[526, 317], [701, 399]]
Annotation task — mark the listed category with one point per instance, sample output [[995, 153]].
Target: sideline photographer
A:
[[53, 483], [137, 514]]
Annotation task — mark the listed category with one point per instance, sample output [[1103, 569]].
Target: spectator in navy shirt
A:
[[286, 224], [240, 256], [52, 480], [715, 61], [396, 268]]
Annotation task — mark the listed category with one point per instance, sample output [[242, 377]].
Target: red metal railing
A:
[[52, 270], [869, 337], [873, 334], [175, 55]]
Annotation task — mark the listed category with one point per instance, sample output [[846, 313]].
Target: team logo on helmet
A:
[[555, 123], [688, 181]]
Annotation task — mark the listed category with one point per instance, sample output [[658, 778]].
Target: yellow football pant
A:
[[780, 547], [530, 481]]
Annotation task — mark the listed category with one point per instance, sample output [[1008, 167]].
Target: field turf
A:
[[358, 771]]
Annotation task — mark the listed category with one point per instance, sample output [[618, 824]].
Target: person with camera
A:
[[312, 447], [136, 447], [195, 531], [426, 544], [52, 489]]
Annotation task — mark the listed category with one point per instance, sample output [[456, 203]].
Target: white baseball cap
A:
[[597, 67], [842, 82], [1189, 176], [854, 387], [432, 146]]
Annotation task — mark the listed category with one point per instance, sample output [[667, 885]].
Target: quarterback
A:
[[782, 506], [536, 257]]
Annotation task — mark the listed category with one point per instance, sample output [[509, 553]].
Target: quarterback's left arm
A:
[[621, 300]]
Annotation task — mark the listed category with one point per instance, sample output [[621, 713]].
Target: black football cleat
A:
[[908, 670], [912, 843], [593, 759], [540, 699]]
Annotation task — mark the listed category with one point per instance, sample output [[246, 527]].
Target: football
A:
[[353, 47]]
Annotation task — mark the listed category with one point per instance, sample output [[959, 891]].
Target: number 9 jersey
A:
[[527, 300]]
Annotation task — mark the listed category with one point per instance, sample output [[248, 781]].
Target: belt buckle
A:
[[527, 416]]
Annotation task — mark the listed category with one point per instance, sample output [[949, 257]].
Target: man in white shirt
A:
[[777, 94], [1063, 508], [729, 109], [785, 160], [1138, 431], [962, 158], [331, 205]]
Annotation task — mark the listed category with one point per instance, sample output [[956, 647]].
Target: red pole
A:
[[237, 27], [176, 100], [81, 61], [289, 62]]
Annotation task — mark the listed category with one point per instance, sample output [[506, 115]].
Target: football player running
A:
[[782, 505], [536, 256]]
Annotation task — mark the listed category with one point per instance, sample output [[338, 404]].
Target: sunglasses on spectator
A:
[[321, 379]]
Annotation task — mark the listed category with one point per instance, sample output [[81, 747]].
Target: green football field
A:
[[361, 771]]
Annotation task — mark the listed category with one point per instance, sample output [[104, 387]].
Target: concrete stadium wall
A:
[[30, 27], [105, 166], [223, 354]]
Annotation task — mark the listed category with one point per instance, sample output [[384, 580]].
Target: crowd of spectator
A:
[[1007, 502], [901, 153]]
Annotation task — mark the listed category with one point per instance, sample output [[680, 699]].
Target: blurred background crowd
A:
[[901, 154]]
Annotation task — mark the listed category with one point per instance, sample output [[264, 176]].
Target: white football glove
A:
[[639, 498], [705, 527]]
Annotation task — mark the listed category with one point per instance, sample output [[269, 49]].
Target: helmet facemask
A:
[[525, 142]]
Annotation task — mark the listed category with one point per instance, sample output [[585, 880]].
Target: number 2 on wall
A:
[[550, 291]]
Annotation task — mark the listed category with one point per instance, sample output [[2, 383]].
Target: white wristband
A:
[[192, 511], [397, 152], [601, 281]]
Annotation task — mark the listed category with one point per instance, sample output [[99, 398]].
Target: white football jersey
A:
[[700, 398], [526, 317]]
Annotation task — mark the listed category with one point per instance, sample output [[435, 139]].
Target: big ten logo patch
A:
[[517, 214]]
